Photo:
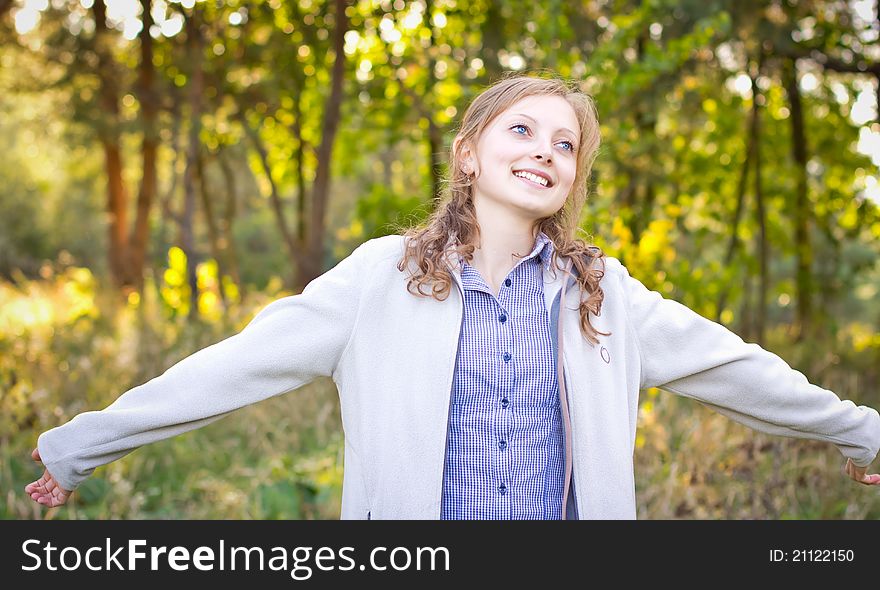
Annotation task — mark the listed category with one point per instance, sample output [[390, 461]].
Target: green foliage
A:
[[68, 346], [671, 79], [381, 211], [47, 181]]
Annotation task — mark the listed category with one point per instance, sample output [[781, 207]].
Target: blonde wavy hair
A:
[[453, 229]]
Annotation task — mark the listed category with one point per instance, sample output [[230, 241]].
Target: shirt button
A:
[[505, 402], [507, 283], [502, 489], [506, 357], [502, 444], [502, 318]]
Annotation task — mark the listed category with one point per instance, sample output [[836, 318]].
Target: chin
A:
[[535, 213]]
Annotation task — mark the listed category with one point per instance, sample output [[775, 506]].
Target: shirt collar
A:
[[542, 251]]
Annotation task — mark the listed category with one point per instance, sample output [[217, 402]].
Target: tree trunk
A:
[[169, 217], [149, 112], [435, 134], [229, 221], [213, 233], [493, 41], [5, 5], [196, 83], [313, 262], [299, 155], [801, 205], [108, 132], [737, 215], [645, 122], [293, 245], [745, 313], [760, 214]]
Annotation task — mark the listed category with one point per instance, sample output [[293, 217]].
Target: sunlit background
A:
[[158, 187]]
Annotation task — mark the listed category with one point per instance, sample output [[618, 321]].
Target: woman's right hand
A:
[[46, 490]]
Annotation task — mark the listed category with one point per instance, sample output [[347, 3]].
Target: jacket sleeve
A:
[[288, 343], [689, 355]]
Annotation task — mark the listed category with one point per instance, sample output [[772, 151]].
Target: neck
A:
[[502, 234]]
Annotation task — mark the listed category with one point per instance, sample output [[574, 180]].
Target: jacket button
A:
[[502, 444], [502, 489], [507, 283], [505, 402], [502, 318], [506, 356]]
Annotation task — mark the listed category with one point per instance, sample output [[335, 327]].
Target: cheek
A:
[[567, 177], [501, 155]]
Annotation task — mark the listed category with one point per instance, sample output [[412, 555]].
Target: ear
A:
[[464, 155]]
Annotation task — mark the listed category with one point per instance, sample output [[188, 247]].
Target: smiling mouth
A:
[[532, 179]]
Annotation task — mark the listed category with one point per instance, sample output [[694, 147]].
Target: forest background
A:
[[168, 168]]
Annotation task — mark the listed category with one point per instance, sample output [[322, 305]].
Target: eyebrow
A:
[[533, 121]]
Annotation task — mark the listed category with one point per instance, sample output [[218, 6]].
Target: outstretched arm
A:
[[290, 342], [689, 355]]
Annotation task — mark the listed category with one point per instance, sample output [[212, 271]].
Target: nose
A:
[[543, 156]]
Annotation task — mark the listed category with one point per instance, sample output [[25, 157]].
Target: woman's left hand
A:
[[860, 474]]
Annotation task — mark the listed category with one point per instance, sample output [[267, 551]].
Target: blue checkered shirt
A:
[[505, 454]]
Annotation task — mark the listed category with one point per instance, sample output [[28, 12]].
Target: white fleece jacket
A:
[[392, 356]]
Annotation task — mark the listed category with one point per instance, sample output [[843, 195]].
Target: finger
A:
[[40, 484], [45, 486], [57, 490], [855, 472], [871, 479], [50, 500], [32, 486], [54, 487], [38, 491], [60, 496], [35, 455]]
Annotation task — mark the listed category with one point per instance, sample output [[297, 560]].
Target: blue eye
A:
[[570, 147]]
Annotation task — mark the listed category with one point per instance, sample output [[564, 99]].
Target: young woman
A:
[[488, 363]]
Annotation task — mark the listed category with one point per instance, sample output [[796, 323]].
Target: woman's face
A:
[[526, 160]]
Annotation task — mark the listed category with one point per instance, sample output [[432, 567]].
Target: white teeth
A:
[[533, 177]]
